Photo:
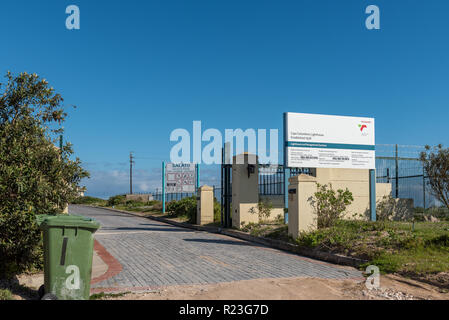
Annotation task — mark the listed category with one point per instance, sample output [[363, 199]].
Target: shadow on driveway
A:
[[220, 241]]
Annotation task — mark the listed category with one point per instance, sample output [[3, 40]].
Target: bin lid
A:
[[64, 220]]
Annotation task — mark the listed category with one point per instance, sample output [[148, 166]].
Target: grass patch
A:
[[402, 247], [269, 229], [102, 295], [419, 250], [90, 201]]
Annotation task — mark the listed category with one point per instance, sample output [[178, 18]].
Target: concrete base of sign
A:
[[205, 205]]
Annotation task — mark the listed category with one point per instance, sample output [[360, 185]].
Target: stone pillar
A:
[[301, 216], [205, 205], [245, 189]]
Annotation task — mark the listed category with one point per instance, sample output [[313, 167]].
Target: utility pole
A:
[[397, 172], [131, 162]]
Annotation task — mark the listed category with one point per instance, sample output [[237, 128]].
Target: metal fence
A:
[[171, 196], [400, 166], [395, 164], [271, 178]]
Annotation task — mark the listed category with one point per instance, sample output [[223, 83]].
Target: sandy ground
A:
[[391, 288]]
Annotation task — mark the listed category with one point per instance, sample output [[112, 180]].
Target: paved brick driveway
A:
[[154, 254]]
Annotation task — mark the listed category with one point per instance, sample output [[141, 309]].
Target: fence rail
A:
[[172, 196]]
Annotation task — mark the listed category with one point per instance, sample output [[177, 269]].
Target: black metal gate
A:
[[226, 191]]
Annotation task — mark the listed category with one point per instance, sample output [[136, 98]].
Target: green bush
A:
[[184, 207], [263, 210], [440, 241], [329, 205], [217, 211], [116, 200], [20, 243]]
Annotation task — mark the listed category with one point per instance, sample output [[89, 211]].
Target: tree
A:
[[436, 166], [35, 176]]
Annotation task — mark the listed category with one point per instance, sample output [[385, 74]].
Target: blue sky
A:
[[136, 70]]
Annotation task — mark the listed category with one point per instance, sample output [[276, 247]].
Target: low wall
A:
[[357, 182], [277, 201], [139, 197]]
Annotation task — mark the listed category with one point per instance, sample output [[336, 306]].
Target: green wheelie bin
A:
[[68, 249]]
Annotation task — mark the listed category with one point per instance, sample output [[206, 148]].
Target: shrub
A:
[[20, 243], [440, 241], [263, 210], [436, 165], [217, 211], [116, 200], [184, 207], [329, 205]]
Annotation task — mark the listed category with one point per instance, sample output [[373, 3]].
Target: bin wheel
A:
[[49, 296], [41, 291]]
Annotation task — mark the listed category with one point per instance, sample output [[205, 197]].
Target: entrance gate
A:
[[226, 187]]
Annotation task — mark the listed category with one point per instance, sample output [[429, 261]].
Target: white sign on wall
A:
[[180, 177], [325, 141]]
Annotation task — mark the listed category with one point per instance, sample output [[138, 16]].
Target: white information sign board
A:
[[180, 177], [325, 141]]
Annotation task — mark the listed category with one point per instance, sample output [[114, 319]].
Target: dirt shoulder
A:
[[392, 288]]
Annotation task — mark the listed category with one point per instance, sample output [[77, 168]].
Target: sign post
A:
[[286, 177], [197, 187], [163, 186], [372, 193]]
